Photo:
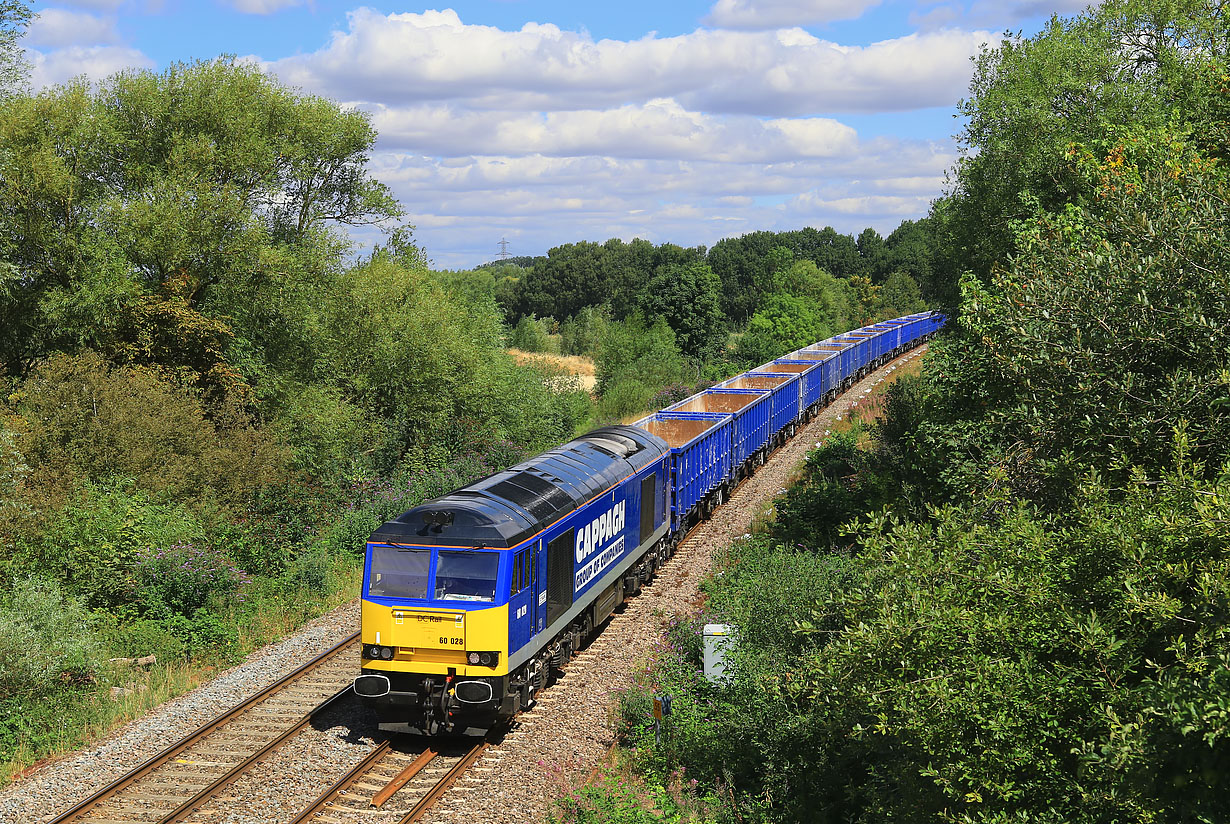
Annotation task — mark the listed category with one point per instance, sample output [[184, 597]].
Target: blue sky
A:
[[547, 122]]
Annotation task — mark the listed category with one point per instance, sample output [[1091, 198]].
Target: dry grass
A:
[[576, 365], [572, 364]]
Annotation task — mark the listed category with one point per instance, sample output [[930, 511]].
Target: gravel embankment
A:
[[550, 750]]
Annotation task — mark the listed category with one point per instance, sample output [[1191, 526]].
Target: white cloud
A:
[[61, 27], [460, 203], [407, 58], [264, 6], [657, 129], [989, 13], [776, 14], [95, 62]]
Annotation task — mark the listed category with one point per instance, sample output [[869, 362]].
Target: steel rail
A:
[[127, 780], [402, 778], [442, 786], [326, 798], [198, 800]]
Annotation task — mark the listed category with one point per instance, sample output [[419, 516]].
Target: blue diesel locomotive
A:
[[473, 600]]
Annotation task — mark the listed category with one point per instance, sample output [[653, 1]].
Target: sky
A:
[[546, 122]]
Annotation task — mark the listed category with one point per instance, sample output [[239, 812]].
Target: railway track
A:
[[181, 778], [395, 785]]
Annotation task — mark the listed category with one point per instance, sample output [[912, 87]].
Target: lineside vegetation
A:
[[1011, 602]]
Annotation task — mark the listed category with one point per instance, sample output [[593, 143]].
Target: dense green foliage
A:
[[634, 359], [1056, 668], [1145, 63], [1011, 603]]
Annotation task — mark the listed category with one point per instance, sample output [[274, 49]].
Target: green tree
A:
[[872, 251], [1140, 62], [573, 276], [196, 198], [634, 359], [900, 295], [834, 297], [15, 16], [868, 304], [784, 323], [687, 297], [580, 334], [531, 335]]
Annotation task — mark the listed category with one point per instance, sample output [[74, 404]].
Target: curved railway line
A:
[[397, 782]]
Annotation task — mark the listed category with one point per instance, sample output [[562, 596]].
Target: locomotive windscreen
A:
[[466, 576], [399, 573]]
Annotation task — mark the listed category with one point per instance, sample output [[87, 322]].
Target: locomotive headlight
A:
[[376, 652], [486, 659]]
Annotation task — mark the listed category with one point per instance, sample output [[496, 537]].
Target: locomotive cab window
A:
[[520, 571], [399, 573], [466, 576]]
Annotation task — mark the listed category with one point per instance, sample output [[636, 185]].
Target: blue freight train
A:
[[472, 601]]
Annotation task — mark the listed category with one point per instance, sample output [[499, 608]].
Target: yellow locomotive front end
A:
[[435, 634], [435, 641]]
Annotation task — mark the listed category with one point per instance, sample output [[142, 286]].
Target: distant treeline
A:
[[661, 318]]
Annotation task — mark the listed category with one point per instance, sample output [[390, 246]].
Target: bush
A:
[[181, 579], [83, 419], [47, 641], [203, 632], [840, 482], [782, 324], [532, 335], [669, 394], [579, 334], [94, 541], [640, 351], [310, 571], [623, 399]]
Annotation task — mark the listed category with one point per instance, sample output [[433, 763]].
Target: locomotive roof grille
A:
[[506, 508], [535, 495]]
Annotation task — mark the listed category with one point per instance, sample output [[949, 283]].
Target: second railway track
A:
[[177, 780]]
